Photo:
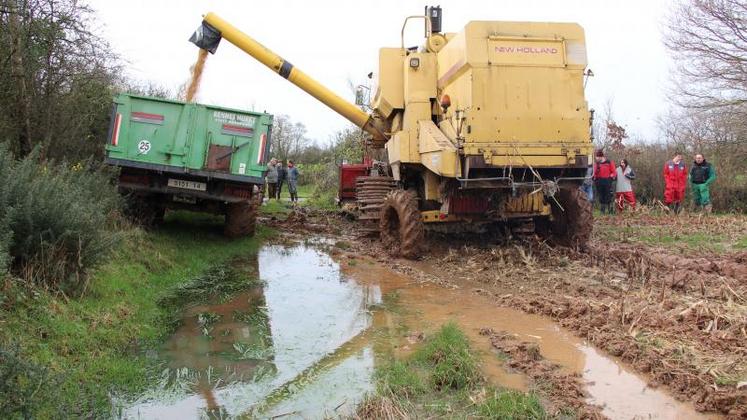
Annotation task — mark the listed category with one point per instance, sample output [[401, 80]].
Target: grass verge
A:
[[442, 379], [81, 351]]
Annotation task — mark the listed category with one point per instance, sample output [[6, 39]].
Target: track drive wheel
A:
[[241, 219], [401, 228], [572, 225]]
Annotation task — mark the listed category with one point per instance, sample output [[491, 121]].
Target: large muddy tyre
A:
[[572, 225], [241, 219], [401, 228]]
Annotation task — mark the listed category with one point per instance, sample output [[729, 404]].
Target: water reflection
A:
[[305, 342], [297, 341]]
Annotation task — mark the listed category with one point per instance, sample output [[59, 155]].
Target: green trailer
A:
[[177, 155]]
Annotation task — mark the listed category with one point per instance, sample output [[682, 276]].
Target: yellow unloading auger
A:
[[214, 28]]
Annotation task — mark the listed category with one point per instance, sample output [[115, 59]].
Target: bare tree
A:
[[288, 138], [56, 78], [608, 134], [708, 41]]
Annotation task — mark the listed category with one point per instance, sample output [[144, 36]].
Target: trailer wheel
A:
[[400, 226], [241, 219], [144, 210], [572, 225]]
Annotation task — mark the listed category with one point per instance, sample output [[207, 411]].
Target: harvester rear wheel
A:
[[572, 225], [401, 228], [241, 219]]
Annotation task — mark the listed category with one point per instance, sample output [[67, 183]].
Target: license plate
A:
[[187, 185]]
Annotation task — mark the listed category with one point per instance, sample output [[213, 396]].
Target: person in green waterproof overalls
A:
[[702, 175]]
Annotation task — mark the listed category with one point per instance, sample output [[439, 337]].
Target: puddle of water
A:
[[305, 344], [622, 394]]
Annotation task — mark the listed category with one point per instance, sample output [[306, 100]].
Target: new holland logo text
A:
[[526, 50]]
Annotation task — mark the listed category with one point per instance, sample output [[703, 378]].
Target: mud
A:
[[193, 86], [306, 342], [677, 316]]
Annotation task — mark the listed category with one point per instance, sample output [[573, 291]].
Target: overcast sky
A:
[[338, 41]]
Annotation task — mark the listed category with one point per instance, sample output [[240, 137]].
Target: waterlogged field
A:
[[311, 320]]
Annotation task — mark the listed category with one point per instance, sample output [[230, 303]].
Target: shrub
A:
[[56, 221], [23, 384]]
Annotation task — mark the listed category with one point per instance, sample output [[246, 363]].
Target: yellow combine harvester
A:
[[488, 125]]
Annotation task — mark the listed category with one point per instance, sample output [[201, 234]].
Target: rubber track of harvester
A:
[[370, 194], [573, 225], [401, 228], [241, 219]]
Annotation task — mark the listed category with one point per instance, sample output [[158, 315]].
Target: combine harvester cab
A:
[[488, 126], [176, 155]]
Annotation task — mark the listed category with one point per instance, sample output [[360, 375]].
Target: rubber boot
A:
[[708, 208], [677, 208]]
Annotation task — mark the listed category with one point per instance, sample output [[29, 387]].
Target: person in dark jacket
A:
[[605, 174], [702, 175], [282, 174], [293, 181]]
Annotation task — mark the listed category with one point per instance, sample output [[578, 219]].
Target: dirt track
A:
[[676, 314]]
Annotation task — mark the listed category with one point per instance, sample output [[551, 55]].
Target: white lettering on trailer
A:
[[235, 119], [242, 168]]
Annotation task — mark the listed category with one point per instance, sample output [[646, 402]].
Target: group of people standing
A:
[[277, 175], [616, 182]]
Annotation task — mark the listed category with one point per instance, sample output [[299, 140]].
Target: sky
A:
[[337, 42]]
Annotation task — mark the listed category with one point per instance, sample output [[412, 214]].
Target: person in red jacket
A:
[[675, 181], [605, 174]]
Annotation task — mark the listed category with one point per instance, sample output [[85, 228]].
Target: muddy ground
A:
[[667, 296]]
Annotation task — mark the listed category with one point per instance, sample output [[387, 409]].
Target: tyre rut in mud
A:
[[401, 228]]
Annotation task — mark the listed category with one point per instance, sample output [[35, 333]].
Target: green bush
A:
[[56, 221], [23, 384]]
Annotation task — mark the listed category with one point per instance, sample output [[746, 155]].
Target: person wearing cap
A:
[[605, 174], [675, 182]]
